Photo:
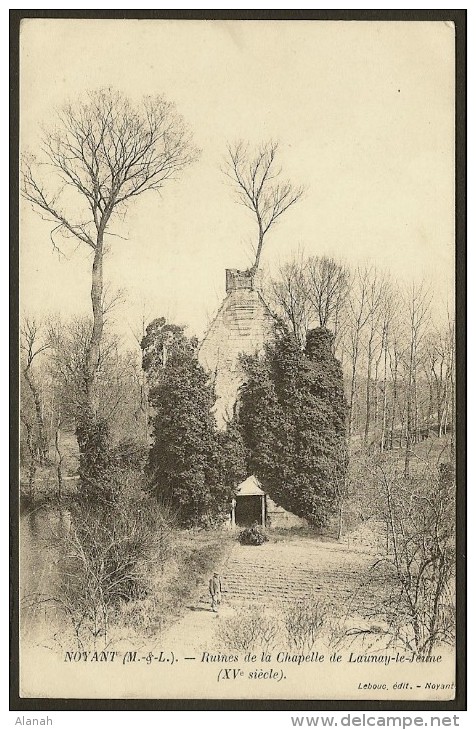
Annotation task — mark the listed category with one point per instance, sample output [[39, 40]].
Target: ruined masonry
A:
[[243, 325]]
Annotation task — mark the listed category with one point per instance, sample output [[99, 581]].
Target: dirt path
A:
[[277, 573]]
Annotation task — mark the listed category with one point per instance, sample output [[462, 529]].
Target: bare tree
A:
[[420, 514], [418, 303], [430, 369], [102, 153], [32, 453], [395, 357], [389, 311], [439, 361], [328, 283], [32, 344], [288, 296], [59, 455], [358, 315], [309, 292], [117, 387], [374, 300], [435, 366], [451, 378], [256, 180]]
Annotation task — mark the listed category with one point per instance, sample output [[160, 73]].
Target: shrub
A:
[[252, 536], [303, 621], [108, 554], [248, 630], [421, 522]]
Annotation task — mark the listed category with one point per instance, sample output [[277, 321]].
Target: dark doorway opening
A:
[[248, 510]]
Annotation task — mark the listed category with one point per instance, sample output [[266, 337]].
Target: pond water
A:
[[41, 532]]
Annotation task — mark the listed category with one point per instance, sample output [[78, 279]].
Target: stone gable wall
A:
[[243, 325]]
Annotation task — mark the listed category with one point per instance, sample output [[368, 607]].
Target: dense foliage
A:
[[184, 460], [108, 472], [292, 415]]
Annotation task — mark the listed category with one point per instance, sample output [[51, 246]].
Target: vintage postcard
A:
[[237, 359]]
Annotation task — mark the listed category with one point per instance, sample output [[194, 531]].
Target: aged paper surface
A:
[[359, 605]]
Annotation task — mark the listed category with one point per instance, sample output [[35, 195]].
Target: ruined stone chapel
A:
[[243, 325]]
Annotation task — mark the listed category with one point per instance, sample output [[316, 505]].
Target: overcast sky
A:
[[364, 113]]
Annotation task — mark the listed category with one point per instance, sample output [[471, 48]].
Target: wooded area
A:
[[330, 416]]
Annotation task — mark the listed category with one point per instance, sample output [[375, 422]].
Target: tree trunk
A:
[[383, 437], [32, 465], [440, 393], [453, 413], [255, 266], [406, 470], [391, 523], [368, 393], [341, 520], [59, 464], [93, 353], [352, 400], [353, 384], [377, 437], [42, 441], [402, 429], [430, 404], [91, 431], [394, 405], [417, 429]]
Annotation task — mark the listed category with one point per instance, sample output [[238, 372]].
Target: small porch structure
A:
[[248, 506]]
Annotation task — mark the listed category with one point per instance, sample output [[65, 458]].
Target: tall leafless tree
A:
[[328, 283], [32, 343], [374, 301], [395, 357], [389, 312], [451, 379], [358, 315], [417, 305], [394, 370], [255, 177], [310, 291], [102, 153], [288, 295], [436, 367]]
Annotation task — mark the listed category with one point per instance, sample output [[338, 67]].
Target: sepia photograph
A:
[[237, 360]]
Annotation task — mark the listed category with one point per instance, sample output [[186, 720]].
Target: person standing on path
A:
[[215, 588]]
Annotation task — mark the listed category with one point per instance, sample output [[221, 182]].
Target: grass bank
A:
[[174, 585]]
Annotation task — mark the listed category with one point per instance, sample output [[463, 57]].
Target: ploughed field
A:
[[287, 571], [284, 570]]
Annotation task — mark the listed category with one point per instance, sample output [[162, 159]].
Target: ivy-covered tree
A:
[[184, 460], [292, 414], [233, 455]]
